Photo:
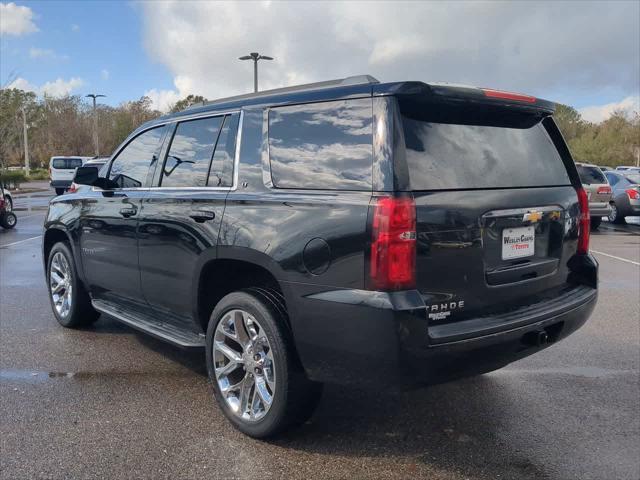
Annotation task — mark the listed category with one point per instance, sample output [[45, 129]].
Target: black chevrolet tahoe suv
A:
[[349, 231]]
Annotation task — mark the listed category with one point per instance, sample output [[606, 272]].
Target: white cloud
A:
[[163, 100], [16, 19], [599, 113], [104, 74], [57, 88], [534, 47]]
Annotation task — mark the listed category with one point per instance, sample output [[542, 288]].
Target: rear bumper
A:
[[60, 183], [600, 210], [368, 338]]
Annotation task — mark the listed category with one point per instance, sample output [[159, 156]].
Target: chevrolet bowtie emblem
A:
[[533, 216]]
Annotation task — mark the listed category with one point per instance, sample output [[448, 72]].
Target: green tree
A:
[[186, 102]]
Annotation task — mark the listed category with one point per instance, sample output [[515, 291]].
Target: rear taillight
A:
[[585, 222], [73, 188], [393, 246], [604, 189], [488, 92], [633, 194]]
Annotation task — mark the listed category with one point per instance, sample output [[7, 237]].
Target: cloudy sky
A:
[[586, 54]]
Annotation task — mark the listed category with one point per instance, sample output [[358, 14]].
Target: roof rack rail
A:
[[341, 82]]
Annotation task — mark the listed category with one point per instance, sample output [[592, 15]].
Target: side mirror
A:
[[86, 176]]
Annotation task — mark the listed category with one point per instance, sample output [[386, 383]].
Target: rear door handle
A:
[[202, 216], [128, 212]]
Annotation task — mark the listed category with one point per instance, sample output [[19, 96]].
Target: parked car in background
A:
[[8, 219], [61, 171], [628, 169], [96, 162], [605, 169], [349, 232], [598, 192], [626, 195]]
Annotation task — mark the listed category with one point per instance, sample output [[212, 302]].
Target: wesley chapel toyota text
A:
[[349, 231]]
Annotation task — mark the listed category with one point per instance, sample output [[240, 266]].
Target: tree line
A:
[[64, 126]]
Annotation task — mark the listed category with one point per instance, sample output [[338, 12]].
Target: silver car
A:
[[598, 191], [626, 195]]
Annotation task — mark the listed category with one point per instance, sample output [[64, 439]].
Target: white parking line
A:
[[21, 241], [617, 258]]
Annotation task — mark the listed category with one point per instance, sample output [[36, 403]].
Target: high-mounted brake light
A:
[[632, 194], [604, 189], [585, 222], [393, 246], [518, 97]]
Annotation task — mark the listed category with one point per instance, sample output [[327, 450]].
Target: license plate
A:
[[518, 242]]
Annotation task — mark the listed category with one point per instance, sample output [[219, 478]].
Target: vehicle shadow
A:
[[453, 427]]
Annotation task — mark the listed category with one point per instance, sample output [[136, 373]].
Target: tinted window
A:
[[67, 163], [589, 175], [221, 174], [188, 160], [322, 146], [130, 167], [450, 156]]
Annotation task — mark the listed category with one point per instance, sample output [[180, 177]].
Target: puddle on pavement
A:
[[31, 376]]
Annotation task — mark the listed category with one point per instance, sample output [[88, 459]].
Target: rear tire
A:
[[595, 222], [8, 220], [291, 396], [614, 215], [75, 309], [59, 191]]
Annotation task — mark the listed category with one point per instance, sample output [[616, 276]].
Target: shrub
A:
[[14, 178], [39, 174]]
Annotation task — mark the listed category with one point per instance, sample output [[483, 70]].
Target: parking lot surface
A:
[[108, 402]]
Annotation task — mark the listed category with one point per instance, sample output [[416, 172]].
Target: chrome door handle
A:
[[128, 212], [202, 216]]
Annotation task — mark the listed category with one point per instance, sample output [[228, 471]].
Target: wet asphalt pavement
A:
[[108, 402]]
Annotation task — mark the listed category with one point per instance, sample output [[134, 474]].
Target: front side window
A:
[[324, 146], [189, 157], [131, 166]]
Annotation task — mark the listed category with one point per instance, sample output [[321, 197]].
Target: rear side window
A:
[[131, 166], [442, 155], [189, 157], [322, 146], [590, 175], [66, 163], [613, 178]]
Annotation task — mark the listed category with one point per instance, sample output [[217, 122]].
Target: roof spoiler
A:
[[447, 92]]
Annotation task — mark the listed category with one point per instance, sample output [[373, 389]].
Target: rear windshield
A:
[[443, 155], [590, 175], [67, 163]]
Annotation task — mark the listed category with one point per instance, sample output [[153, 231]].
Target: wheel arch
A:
[[55, 234], [232, 269]]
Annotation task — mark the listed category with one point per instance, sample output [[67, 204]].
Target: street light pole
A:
[[255, 56], [25, 138], [95, 121]]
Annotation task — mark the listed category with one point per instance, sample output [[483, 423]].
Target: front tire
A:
[[595, 222], [70, 303], [8, 220], [257, 378]]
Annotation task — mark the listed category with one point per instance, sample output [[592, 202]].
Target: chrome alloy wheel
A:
[[244, 366], [60, 283]]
